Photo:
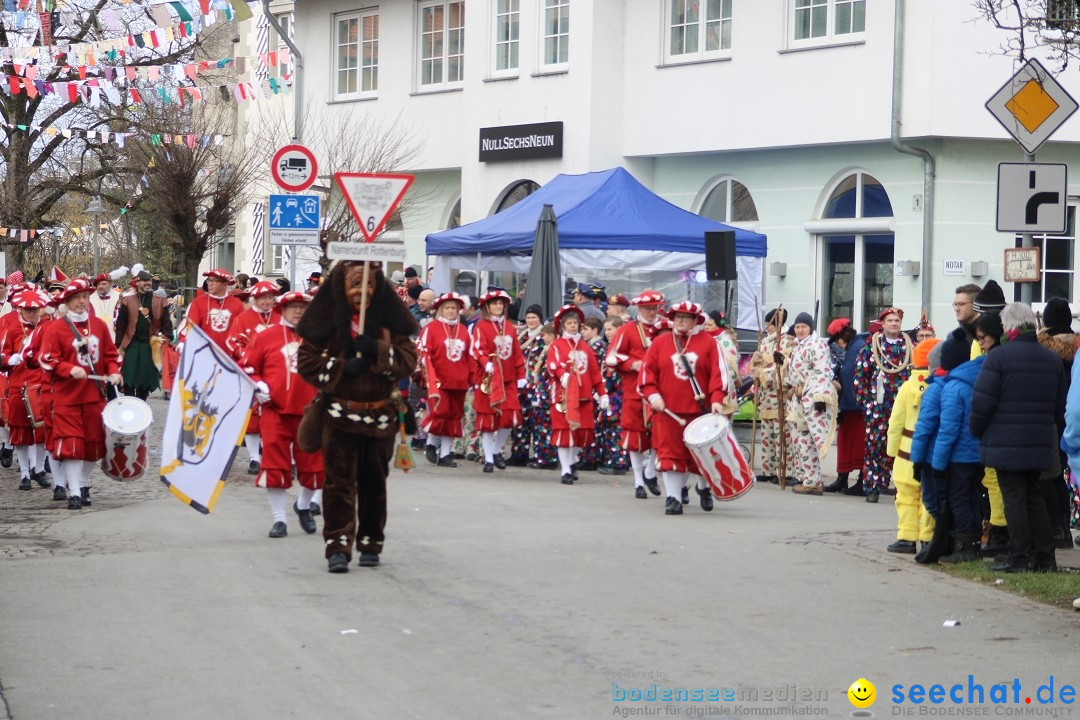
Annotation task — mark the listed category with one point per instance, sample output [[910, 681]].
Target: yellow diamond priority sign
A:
[[1032, 105]]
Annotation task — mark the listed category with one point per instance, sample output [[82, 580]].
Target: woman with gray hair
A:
[[1018, 397]]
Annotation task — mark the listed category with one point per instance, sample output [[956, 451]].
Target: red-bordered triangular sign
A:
[[372, 198]]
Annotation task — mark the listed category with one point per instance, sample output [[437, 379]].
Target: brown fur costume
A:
[[359, 410]]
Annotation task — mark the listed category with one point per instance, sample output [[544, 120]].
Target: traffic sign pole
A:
[[1028, 240]]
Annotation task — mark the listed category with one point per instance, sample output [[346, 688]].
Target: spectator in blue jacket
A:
[[955, 457]]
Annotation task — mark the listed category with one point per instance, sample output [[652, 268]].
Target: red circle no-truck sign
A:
[[294, 168]]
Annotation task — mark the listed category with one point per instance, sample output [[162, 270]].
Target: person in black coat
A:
[[1018, 397]]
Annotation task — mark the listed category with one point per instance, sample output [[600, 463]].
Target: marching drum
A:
[[712, 443], [127, 423]]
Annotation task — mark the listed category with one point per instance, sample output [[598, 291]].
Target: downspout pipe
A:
[[298, 73], [929, 168]]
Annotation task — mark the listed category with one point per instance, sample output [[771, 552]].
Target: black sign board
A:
[[521, 142]]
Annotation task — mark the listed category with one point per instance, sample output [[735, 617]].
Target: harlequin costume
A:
[[25, 380], [611, 458], [590, 458], [575, 377], [447, 367], [539, 390], [214, 314], [521, 437], [247, 326], [78, 341], [664, 377], [356, 418], [810, 410], [881, 368], [271, 361], [767, 396], [499, 371], [626, 354]]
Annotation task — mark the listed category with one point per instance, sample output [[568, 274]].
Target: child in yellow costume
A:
[[914, 523]]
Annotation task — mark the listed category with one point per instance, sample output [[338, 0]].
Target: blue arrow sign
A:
[[294, 212]]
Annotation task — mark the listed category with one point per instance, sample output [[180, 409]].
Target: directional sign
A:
[[1032, 197], [294, 168], [372, 197], [294, 220], [1031, 106], [385, 252]]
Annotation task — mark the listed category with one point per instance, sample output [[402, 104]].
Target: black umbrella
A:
[[545, 286]]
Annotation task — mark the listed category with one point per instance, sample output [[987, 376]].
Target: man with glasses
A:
[[964, 308]]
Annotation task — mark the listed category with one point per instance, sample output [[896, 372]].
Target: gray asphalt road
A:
[[506, 595]]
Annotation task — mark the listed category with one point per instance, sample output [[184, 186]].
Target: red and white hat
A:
[[262, 288], [493, 295], [76, 286], [219, 274], [15, 278], [18, 287], [450, 297], [687, 308], [566, 310], [103, 277], [662, 323], [293, 296], [648, 297], [30, 298]]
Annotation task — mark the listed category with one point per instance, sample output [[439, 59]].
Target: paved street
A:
[[506, 595]]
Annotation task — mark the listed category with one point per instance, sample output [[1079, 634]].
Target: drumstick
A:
[[676, 418]]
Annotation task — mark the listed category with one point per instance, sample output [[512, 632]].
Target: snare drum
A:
[[712, 443], [127, 423]]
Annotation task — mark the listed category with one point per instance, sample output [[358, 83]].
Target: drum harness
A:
[[82, 347], [698, 394]]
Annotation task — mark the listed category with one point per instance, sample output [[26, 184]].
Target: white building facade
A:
[[772, 115]]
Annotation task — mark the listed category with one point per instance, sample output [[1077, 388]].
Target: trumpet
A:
[[485, 384]]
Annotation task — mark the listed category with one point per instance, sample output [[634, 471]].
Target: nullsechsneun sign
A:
[[521, 142]]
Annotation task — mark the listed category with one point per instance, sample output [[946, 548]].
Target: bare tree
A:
[[1049, 27]]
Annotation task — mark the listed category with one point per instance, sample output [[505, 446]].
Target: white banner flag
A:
[[207, 419]]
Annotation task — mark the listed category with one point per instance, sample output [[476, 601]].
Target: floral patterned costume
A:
[[880, 369], [536, 418], [767, 400], [605, 450], [808, 376]]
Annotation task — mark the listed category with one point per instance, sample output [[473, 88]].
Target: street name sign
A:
[[372, 197], [385, 252], [294, 220], [1032, 197], [1031, 105]]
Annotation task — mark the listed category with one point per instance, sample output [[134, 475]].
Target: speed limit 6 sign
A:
[[372, 198]]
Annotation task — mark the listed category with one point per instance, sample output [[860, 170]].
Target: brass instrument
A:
[[485, 384]]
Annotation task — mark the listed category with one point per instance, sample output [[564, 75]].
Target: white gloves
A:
[[15, 359], [489, 368], [566, 380], [521, 383], [262, 392], [605, 402]]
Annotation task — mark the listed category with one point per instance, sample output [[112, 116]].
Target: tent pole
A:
[[477, 274]]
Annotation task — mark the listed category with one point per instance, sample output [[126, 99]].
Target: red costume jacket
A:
[[271, 358], [247, 326], [214, 316], [663, 373], [444, 355], [19, 340], [578, 361], [496, 343], [627, 347], [59, 357]]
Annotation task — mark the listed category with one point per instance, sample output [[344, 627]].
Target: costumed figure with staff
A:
[[356, 347], [500, 371], [767, 393], [447, 367]]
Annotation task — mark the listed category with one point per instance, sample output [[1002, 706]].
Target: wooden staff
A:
[[753, 421], [778, 320], [363, 305]]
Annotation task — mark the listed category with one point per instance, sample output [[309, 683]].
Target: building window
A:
[[279, 257], [556, 32], [698, 28], [357, 40], [515, 194], [285, 69], [507, 30], [729, 202], [442, 43], [1057, 255], [825, 20]]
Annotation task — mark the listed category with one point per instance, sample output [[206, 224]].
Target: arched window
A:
[[856, 250], [454, 220], [515, 194], [729, 202]]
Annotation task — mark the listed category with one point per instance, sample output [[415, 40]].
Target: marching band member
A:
[[626, 353], [257, 318], [24, 389], [767, 394], [141, 316], [5, 302], [215, 310], [447, 368], [810, 411], [500, 371], [72, 349], [271, 361], [576, 376], [51, 312], [682, 380]]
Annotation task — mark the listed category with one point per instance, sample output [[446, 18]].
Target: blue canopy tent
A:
[[610, 225]]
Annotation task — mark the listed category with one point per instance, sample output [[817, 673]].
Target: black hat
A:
[[771, 315], [535, 310], [803, 319], [410, 272], [143, 275], [315, 276], [1057, 313], [414, 291], [956, 350], [990, 298], [284, 284]]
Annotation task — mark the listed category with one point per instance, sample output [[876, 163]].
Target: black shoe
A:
[[278, 530], [338, 563], [963, 551], [431, 454], [533, 464], [573, 471], [7, 455], [253, 467], [654, 487], [368, 560], [472, 457], [315, 509], [1006, 566], [499, 461], [74, 502], [706, 499], [517, 462], [84, 495], [489, 468], [307, 523], [837, 485], [686, 496], [904, 547], [59, 493], [567, 479], [997, 543], [856, 489], [640, 494], [48, 469], [672, 507], [1050, 566], [24, 484], [417, 444], [773, 479], [41, 478], [871, 498], [890, 490], [585, 467], [447, 461], [1062, 539]]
